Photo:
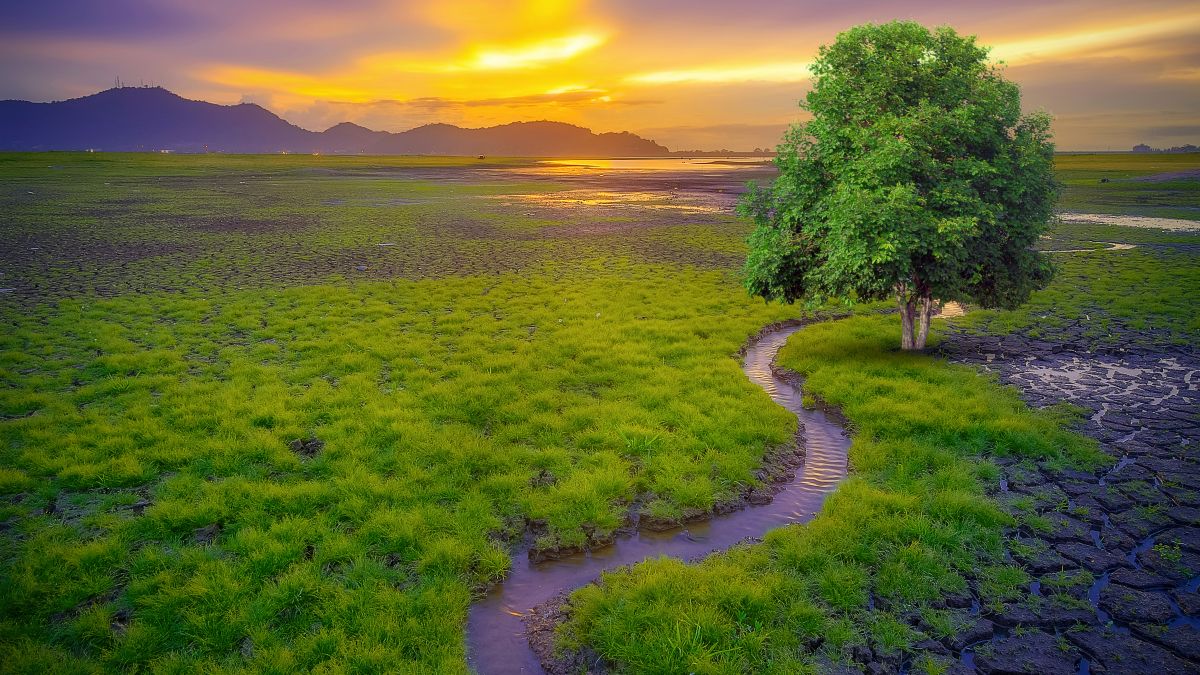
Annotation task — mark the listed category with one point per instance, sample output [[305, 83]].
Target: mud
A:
[[1119, 566]]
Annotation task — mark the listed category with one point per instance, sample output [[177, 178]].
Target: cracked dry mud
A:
[[1115, 555]]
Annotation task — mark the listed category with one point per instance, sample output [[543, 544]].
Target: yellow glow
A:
[[762, 72], [297, 84], [1182, 74], [1038, 49], [477, 18], [567, 89], [534, 55], [481, 62]]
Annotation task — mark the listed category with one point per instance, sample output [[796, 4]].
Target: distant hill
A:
[[152, 118]]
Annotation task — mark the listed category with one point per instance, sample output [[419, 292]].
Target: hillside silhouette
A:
[[131, 119]]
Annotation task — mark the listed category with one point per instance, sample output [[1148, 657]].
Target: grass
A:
[[1123, 192], [1152, 289], [910, 526], [155, 514], [468, 362]]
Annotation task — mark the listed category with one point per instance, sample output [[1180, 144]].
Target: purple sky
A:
[[699, 73]]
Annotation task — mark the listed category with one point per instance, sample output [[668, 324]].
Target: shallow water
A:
[[687, 202], [496, 640], [662, 163]]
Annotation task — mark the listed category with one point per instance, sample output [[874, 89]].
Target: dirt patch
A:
[[306, 448], [1120, 543], [540, 624], [206, 535]]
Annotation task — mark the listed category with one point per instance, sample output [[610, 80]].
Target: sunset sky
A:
[[687, 73]]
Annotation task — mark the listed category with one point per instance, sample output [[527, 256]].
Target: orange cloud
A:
[[1083, 41]]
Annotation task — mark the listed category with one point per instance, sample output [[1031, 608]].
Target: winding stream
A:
[[496, 641]]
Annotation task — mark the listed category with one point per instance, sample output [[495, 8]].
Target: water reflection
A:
[[661, 163], [673, 201]]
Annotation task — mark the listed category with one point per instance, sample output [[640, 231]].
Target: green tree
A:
[[917, 178]]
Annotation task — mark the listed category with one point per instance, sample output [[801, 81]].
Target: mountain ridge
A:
[[131, 119]]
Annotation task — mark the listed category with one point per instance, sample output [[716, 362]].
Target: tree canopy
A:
[[918, 177]]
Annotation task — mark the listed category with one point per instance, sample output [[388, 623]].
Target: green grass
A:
[[911, 524], [437, 402], [176, 322], [445, 388], [1153, 288], [1123, 194]]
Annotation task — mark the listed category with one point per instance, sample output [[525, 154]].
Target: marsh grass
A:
[[913, 524], [221, 451], [910, 526], [437, 404], [177, 322], [1152, 289]]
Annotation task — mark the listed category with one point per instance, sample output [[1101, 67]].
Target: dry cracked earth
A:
[[1114, 556]]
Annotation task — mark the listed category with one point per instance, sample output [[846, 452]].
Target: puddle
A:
[[496, 641], [661, 163]]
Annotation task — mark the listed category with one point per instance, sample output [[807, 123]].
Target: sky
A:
[[691, 74]]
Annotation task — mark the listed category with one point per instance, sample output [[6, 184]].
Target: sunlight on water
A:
[[687, 203], [662, 164]]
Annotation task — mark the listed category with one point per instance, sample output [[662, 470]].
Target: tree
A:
[[917, 178]]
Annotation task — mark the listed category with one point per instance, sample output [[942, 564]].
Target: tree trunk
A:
[[907, 310], [923, 329]]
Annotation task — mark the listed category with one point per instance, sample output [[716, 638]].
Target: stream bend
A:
[[496, 640]]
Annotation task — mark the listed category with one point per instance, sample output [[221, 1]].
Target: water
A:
[[664, 164], [496, 640]]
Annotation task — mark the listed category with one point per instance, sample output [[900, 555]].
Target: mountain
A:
[[152, 118], [349, 138], [145, 118]]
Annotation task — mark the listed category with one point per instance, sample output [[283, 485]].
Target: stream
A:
[[496, 641]]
